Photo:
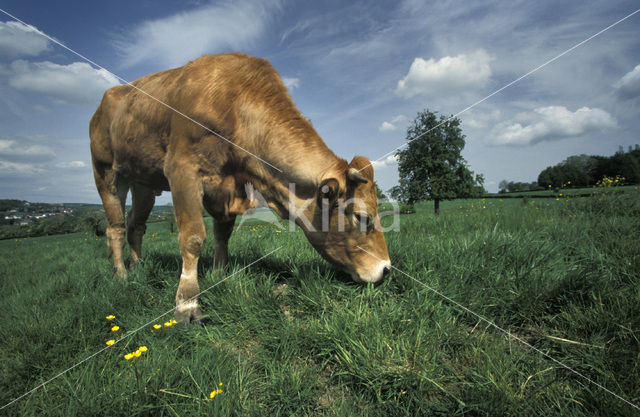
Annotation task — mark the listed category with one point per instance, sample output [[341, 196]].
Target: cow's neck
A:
[[295, 198], [288, 141], [305, 161]]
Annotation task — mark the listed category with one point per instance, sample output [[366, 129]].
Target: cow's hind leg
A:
[[142, 201], [222, 229], [113, 194], [187, 203]]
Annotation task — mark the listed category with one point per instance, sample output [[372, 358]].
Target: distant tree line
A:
[[61, 219], [583, 171], [516, 187], [24, 206], [7, 204], [586, 170], [92, 222]]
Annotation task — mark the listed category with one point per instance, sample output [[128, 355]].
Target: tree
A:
[[585, 170], [95, 222], [379, 193], [515, 187], [431, 166], [503, 186]]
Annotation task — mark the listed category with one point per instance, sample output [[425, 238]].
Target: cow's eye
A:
[[363, 221]]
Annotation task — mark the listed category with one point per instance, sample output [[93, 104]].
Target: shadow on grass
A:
[[280, 268]]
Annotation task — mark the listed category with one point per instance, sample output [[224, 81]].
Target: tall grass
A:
[[292, 336]]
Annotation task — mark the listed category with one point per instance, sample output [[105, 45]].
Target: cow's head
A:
[[347, 227]]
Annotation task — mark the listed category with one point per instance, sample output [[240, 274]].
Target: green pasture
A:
[[292, 336], [553, 192]]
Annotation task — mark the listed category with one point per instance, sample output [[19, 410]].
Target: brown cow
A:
[[160, 136]]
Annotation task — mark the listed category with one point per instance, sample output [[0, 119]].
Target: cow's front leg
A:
[[187, 202]]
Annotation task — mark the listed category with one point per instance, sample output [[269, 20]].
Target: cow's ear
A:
[[355, 176], [328, 190]]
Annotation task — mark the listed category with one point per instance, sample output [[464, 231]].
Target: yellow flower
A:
[[220, 384], [168, 324], [157, 326], [110, 317], [128, 356], [172, 321], [115, 328], [110, 342], [142, 349], [137, 353], [214, 393], [557, 199]]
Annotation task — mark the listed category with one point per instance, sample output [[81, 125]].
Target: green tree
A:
[[431, 166], [626, 165], [95, 222], [379, 193], [585, 170]]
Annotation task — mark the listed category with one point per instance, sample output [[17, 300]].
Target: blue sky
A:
[[359, 70]]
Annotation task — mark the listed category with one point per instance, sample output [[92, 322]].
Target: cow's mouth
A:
[[375, 276]]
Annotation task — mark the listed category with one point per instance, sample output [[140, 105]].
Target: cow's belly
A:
[[141, 161]]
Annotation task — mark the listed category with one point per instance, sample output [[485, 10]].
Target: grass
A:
[[292, 336]]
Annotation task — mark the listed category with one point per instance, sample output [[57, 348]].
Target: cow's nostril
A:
[[385, 271]]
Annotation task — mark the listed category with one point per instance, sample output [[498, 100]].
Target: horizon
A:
[[387, 197]]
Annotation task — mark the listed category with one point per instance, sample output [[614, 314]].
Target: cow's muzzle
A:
[[376, 275]]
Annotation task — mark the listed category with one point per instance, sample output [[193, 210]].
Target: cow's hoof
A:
[[121, 273], [188, 313]]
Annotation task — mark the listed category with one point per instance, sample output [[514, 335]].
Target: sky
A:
[[359, 70]]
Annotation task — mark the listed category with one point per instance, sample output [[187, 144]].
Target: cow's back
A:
[[132, 128]]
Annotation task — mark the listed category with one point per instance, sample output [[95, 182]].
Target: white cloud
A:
[[17, 39], [72, 164], [393, 124], [12, 168], [551, 123], [14, 151], [479, 119], [76, 83], [173, 40], [389, 160], [446, 75], [386, 126], [291, 83], [628, 86]]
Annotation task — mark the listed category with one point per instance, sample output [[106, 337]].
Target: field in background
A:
[[292, 336], [552, 193]]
